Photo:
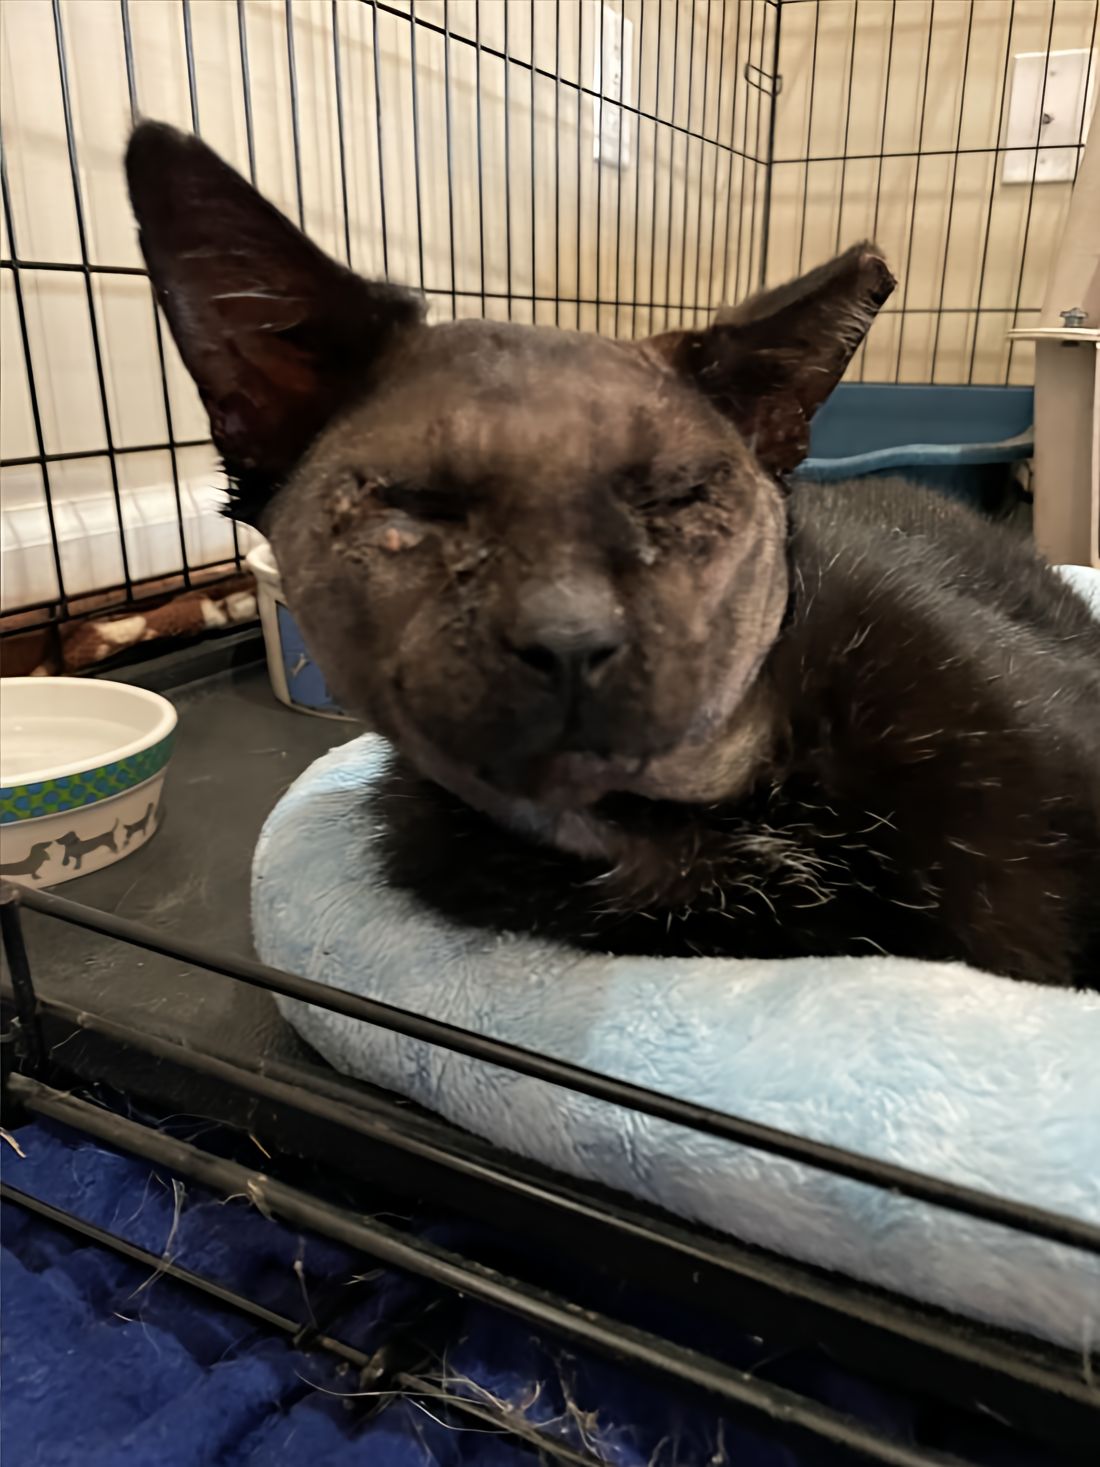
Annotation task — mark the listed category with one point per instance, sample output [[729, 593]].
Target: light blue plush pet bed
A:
[[933, 1066]]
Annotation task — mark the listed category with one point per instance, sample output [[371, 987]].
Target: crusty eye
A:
[[439, 506], [673, 499], [694, 495]]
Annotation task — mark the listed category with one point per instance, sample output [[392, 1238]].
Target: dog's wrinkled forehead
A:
[[507, 406], [502, 361]]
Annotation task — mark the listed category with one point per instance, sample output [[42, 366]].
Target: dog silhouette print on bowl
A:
[[82, 766]]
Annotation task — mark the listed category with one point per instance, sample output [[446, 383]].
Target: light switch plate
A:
[[1047, 117], [614, 65]]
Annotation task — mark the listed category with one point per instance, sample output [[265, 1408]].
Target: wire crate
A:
[[52, 1049], [512, 162], [620, 167]]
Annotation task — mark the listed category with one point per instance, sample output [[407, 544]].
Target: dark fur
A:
[[933, 790], [563, 576]]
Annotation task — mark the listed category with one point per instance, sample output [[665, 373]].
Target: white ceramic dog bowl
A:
[[82, 763]]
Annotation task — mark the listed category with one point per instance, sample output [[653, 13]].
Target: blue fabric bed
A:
[[933, 1066]]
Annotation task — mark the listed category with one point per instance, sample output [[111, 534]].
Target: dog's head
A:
[[546, 564], [70, 838]]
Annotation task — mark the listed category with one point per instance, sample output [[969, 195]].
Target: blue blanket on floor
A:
[[106, 1364]]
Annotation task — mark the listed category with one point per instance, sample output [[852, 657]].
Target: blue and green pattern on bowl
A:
[[74, 791]]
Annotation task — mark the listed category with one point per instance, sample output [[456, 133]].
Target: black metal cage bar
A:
[[1044, 1392]]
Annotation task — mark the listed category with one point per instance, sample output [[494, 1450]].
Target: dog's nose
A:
[[568, 662], [567, 631]]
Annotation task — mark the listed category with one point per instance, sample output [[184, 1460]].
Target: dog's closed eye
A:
[[670, 498], [676, 499], [437, 506]]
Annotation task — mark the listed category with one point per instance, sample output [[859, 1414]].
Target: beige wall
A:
[[921, 188], [44, 216], [683, 186], [698, 204]]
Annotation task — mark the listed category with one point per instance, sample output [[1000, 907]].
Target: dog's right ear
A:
[[276, 335], [769, 363]]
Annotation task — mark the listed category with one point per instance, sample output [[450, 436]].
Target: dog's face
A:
[[540, 555], [548, 565]]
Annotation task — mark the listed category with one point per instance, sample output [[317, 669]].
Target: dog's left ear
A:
[[277, 336], [769, 363]]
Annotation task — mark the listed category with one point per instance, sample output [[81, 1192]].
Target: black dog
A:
[[646, 697]]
